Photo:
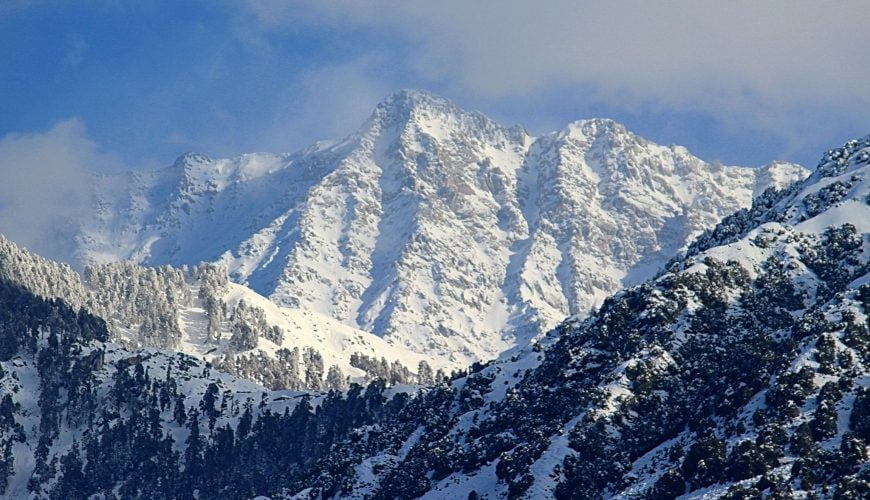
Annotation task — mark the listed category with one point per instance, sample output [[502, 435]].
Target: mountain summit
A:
[[433, 227]]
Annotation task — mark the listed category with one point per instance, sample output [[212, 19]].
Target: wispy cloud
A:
[[742, 82], [325, 103], [44, 185]]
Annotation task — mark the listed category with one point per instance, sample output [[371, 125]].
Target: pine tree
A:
[[72, 483], [193, 454], [335, 379], [7, 464], [425, 375], [313, 368]]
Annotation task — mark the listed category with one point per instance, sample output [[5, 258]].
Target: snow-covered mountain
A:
[[741, 371], [435, 228]]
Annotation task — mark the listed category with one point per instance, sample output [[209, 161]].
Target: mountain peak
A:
[[436, 116], [190, 158], [404, 104], [594, 128], [411, 98]]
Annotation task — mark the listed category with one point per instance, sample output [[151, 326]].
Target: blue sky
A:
[[135, 86]]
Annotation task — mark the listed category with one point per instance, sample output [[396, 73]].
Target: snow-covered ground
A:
[[302, 328]]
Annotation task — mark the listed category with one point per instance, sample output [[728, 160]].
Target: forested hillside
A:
[[197, 311]]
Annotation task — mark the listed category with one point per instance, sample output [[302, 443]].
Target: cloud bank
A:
[[770, 66]]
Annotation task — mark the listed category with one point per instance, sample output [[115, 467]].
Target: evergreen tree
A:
[[335, 379]]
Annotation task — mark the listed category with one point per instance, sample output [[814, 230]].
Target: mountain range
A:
[[436, 229], [740, 369]]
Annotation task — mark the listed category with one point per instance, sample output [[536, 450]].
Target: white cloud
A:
[[763, 65], [506, 46], [44, 185]]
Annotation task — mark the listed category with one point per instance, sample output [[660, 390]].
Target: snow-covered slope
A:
[[435, 228], [309, 333], [199, 313]]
